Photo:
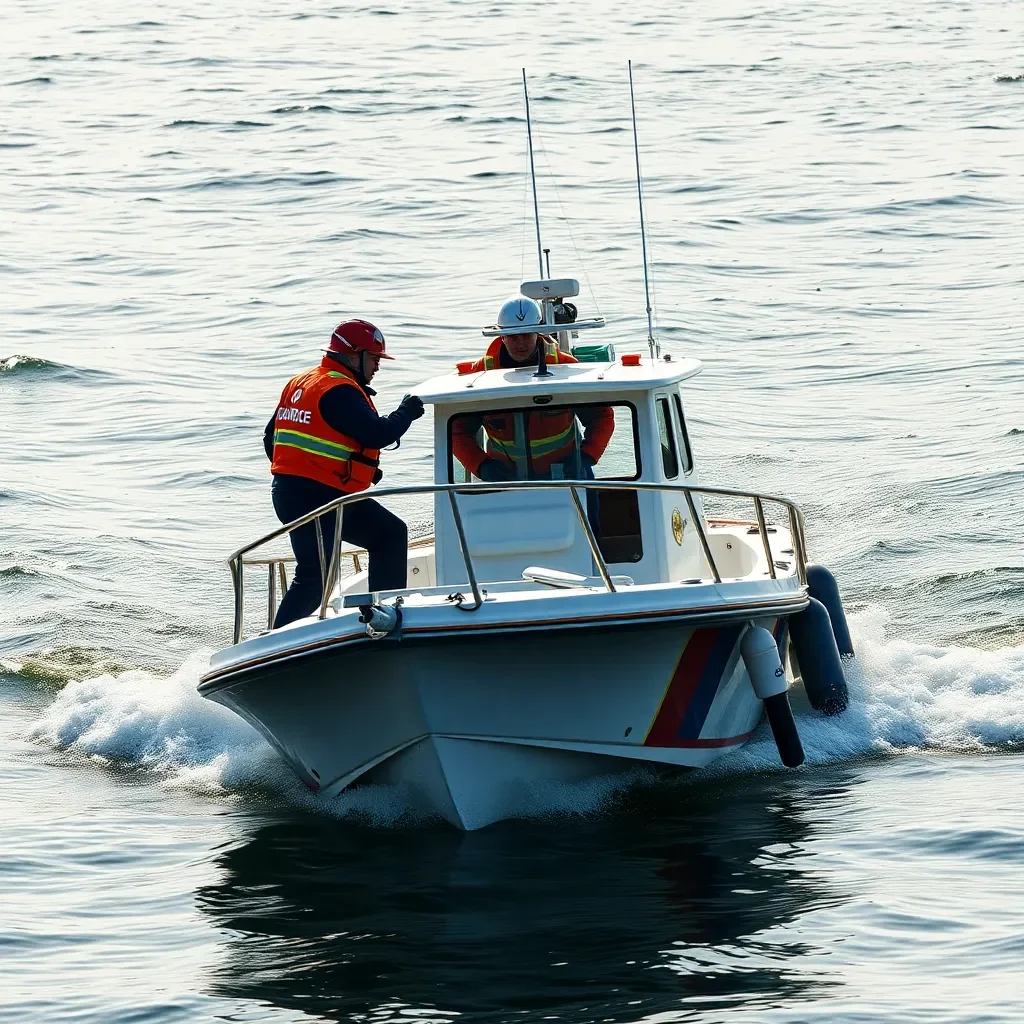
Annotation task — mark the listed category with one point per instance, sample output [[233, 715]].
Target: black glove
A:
[[412, 407], [378, 475], [492, 471]]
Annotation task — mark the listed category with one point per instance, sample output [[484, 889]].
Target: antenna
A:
[[653, 345], [533, 174]]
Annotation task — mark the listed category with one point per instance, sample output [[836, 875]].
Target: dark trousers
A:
[[365, 523]]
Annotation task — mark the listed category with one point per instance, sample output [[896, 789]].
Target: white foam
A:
[[158, 723], [902, 696], [161, 724], [907, 696]]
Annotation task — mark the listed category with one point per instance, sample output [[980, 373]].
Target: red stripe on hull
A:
[[664, 731]]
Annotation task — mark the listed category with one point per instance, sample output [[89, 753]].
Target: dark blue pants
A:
[[364, 523]]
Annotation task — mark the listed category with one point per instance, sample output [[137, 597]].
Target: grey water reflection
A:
[[676, 903]]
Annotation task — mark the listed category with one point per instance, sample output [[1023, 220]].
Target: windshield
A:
[[550, 442]]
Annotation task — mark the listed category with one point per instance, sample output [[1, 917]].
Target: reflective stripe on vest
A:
[[314, 445], [544, 450]]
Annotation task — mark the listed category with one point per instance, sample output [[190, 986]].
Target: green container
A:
[[595, 353]]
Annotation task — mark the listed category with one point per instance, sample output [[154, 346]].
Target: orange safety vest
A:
[[490, 359], [304, 445]]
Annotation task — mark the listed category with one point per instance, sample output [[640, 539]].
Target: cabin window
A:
[[669, 461], [687, 453], [545, 442], [493, 447]]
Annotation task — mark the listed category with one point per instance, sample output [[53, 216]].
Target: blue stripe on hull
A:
[[710, 679]]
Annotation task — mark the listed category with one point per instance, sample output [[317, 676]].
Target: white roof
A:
[[574, 380]]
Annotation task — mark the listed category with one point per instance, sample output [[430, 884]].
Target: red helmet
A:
[[352, 336]]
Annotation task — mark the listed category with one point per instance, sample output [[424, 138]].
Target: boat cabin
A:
[[606, 417]]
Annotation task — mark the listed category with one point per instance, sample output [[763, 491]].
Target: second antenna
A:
[[654, 346], [533, 176]]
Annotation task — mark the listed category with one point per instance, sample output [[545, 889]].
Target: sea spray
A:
[[903, 696], [906, 696], [56, 666], [157, 723], [160, 724], [10, 364]]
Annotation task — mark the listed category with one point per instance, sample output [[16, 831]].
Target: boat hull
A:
[[474, 724]]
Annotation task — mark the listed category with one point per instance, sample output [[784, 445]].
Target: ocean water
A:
[[193, 195]]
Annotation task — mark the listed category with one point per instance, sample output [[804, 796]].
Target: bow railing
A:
[[330, 568]]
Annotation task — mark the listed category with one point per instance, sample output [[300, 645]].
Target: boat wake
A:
[[906, 697], [31, 368], [903, 697], [27, 364]]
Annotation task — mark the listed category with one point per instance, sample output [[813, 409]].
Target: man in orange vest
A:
[[553, 436], [323, 442]]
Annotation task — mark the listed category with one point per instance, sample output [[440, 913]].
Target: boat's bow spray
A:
[[653, 345]]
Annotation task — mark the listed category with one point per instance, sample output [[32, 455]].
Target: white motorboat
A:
[[553, 628]]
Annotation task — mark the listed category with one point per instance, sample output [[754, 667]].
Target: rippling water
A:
[[194, 199]]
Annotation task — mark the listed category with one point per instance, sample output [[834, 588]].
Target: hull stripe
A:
[[781, 634], [665, 727], [692, 688], [711, 678], [712, 742]]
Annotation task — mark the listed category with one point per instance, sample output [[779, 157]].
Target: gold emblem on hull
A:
[[677, 526]]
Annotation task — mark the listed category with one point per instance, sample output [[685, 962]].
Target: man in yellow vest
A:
[[323, 442]]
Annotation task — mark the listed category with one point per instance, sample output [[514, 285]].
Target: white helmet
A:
[[520, 311]]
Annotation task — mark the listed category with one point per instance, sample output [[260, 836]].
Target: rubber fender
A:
[[768, 678], [787, 739], [761, 657], [816, 651], [822, 586]]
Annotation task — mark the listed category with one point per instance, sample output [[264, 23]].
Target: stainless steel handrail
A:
[[237, 560], [334, 570], [762, 529], [708, 556], [464, 547], [595, 551]]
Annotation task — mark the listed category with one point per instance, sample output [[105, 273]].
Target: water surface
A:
[[196, 195]]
